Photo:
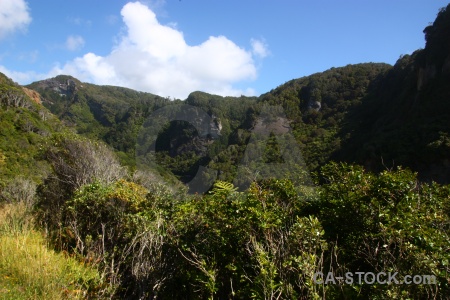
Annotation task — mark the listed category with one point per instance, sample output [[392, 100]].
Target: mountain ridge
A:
[[311, 178], [369, 113]]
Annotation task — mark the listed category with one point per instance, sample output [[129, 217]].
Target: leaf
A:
[[224, 186]]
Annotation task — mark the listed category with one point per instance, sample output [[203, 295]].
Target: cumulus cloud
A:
[[22, 77], [259, 48], [14, 16], [155, 58], [74, 42]]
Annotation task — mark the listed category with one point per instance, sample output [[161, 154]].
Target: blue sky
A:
[[173, 47]]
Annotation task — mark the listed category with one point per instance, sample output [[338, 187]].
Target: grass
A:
[[30, 270]]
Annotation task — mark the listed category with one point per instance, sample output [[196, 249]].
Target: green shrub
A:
[[387, 223], [29, 270]]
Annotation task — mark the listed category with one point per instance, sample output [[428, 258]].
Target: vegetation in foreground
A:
[[125, 234], [266, 242], [29, 269]]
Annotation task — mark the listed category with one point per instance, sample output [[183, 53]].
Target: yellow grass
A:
[[30, 270]]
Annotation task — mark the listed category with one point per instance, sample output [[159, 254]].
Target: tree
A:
[[76, 162]]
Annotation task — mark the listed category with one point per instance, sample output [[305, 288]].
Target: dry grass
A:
[[30, 270]]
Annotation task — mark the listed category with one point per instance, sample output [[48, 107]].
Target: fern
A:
[[220, 185]]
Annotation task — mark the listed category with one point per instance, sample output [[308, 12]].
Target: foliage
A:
[[24, 127], [224, 186], [387, 222], [150, 239], [19, 190], [265, 242], [29, 270], [120, 227], [246, 245], [75, 161]]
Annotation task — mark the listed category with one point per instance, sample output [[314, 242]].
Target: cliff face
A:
[[372, 114], [209, 129], [435, 59], [182, 138], [65, 86], [424, 75], [404, 120]]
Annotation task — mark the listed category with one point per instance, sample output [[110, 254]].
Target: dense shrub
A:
[[388, 222]]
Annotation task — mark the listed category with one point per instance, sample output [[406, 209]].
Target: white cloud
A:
[[155, 58], [27, 77], [90, 67], [259, 48], [74, 42], [14, 16]]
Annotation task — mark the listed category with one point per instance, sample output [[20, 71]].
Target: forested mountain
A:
[[404, 120], [372, 114], [315, 108], [112, 114], [24, 126], [321, 104], [316, 176]]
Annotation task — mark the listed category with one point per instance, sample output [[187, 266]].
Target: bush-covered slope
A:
[[272, 240], [404, 120], [373, 114], [320, 105], [24, 126], [116, 116], [110, 113]]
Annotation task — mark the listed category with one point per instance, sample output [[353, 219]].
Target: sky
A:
[[231, 48]]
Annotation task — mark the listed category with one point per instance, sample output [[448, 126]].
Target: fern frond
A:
[[220, 185]]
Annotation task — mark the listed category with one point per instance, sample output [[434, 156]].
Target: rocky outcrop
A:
[[35, 96], [314, 105], [435, 58], [278, 126], [446, 66], [430, 71], [61, 85], [193, 135], [215, 127], [424, 76]]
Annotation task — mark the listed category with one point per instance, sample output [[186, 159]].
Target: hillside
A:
[[372, 114], [315, 177], [116, 114], [25, 125], [112, 114], [404, 120], [320, 105]]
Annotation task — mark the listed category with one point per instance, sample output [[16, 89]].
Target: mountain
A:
[[145, 237], [404, 119], [25, 125], [113, 114], [116, 115], [372, 114], [320, 104]]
